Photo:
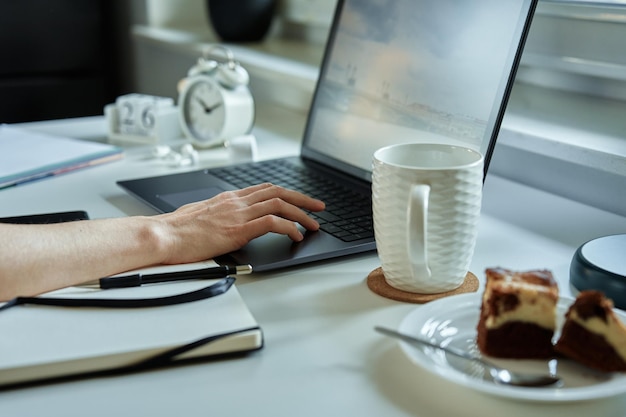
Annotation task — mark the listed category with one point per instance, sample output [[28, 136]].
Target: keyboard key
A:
[[329, 217], [348, 214]]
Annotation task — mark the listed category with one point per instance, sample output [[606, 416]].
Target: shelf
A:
[[272, 64]]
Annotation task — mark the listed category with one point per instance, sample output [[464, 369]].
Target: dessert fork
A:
[[500, 375]]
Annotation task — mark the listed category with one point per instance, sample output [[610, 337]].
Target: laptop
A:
[[394, 71]]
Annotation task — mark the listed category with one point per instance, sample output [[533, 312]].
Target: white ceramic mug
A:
[[426, 203]]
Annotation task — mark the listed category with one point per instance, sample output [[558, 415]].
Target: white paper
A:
[[26, 155]]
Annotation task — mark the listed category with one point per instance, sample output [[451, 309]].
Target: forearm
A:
[[40, 258]]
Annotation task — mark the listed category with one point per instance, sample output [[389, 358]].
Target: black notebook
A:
[[435, 71]]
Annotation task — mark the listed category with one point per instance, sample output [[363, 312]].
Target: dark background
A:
[[61, 58]]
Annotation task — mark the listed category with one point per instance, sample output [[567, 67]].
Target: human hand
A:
[[230, 220]]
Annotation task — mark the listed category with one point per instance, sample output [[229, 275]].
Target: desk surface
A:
[[321, 355]]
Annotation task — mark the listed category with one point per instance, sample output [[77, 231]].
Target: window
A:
[[565, 127]]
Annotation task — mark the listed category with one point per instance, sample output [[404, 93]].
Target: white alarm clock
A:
[[214, 102]]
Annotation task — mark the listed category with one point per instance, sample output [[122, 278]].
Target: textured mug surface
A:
[[443, 181]]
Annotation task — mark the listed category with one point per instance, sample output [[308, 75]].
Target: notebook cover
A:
[[43, 343]]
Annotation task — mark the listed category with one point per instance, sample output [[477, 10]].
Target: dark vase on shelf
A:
[[241, 20]]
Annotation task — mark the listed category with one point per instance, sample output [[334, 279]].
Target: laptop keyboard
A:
[[348, 214]]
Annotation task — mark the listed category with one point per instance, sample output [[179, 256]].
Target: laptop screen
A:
[[414, 71]]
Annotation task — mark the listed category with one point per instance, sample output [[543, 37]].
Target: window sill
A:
[[566, 143], [282, 71]]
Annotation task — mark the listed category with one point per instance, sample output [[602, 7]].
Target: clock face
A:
[[204, 112]]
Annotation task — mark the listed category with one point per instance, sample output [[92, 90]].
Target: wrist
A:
[[154, 240]]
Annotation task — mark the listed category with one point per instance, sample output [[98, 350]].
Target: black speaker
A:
[[600, 264]]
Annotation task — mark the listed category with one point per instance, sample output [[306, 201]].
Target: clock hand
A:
[[215, 106], [207, 109]]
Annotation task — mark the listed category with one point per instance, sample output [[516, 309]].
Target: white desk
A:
[[321, 356]]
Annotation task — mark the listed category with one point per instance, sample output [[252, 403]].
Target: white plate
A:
[[452, 321]]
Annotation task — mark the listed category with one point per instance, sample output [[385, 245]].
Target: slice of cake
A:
[[518, 314], [592, 334]]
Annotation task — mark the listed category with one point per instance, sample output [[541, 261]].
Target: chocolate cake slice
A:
[[518, 314], [592, 334]]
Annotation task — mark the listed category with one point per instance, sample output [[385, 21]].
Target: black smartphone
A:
[[60, 217]]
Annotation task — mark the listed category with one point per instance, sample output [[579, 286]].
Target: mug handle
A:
[[417, 233]]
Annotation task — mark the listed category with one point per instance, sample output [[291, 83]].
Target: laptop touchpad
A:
[[185, 197]]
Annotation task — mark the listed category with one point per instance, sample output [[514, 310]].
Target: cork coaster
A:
[[377, 283]]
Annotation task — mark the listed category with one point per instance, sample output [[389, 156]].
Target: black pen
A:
[[137, 280]]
